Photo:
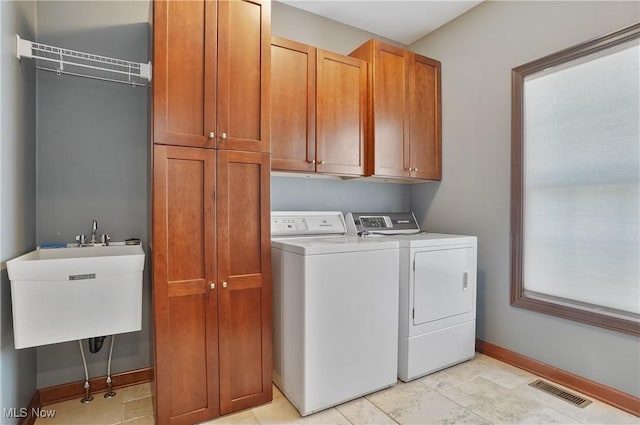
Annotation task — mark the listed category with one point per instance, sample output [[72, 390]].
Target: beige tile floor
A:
[[480, 391], [130, 406]]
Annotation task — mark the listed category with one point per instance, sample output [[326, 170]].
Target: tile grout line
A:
[[380, 408], [465, 408], [342, 414]]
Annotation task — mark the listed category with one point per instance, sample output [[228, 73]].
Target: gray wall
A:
[[291, 193], [17, 193], [477, 52], [92, 159]]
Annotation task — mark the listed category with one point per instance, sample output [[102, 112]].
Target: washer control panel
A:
[[307, 223], [381, 223], [376, 222]]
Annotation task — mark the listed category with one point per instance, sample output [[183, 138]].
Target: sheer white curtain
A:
[[581, 209]]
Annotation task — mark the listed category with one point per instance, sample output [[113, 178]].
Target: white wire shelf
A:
[[72, 62]]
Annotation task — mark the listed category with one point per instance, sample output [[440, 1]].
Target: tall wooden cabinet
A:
[[404, 121], [318, 110], [211, 274], [211, 211], [211, 82], [185, 305]]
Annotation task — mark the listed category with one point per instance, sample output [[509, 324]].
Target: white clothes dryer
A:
[[437, 311], [335, 310]]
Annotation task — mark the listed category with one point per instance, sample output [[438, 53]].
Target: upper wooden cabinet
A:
[[404, 121], [293, 105], [211, 74], [341, 112], [318, 110]]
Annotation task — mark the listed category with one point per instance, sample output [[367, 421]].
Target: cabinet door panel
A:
[[426, 142], [293, 105], [244, 219], [244, 263], [245, 313], [184, 72], [185, 216], [341, 113], [185, 308], [187, 327], [391, 111], [244, 39]]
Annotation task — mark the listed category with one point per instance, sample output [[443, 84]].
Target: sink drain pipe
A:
[[87, 398], [110, 393]]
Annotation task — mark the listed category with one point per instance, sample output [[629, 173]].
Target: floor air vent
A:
[[560, 393]]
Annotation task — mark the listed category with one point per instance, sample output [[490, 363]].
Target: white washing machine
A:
[[335, 310], [437, 321]]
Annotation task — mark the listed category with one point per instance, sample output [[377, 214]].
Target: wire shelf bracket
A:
[[72, 62]]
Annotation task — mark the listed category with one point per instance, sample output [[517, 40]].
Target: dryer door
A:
[[443, 284]]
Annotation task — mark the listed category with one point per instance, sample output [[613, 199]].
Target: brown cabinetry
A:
[[404, 120], [293, 105], [184, 262], [211, 74], [211, 282], [211, 213], [244, 279], [318, 110]]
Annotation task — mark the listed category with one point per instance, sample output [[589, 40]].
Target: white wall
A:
[[478, 51], [315, 30], [17, 193], [318, 194]]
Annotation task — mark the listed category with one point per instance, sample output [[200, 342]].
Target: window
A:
[[575, 192]]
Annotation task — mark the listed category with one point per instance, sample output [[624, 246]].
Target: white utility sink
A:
[[64, 294]]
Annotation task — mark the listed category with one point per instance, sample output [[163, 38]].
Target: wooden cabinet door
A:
[[388, 109], [293, 105], [341, 104], [184, 72], [184, 302], [244, 275], [244, 40], [426, 142]]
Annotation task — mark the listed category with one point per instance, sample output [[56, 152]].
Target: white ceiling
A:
[[399, 20]]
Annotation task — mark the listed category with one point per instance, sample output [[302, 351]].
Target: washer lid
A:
[[332, 245]]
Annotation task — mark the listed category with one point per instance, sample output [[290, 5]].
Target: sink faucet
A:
[[81, 240], [94, 229]]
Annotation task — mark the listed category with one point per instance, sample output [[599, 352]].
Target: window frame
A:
[[518, 75]]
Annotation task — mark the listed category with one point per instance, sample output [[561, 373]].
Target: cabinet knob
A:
[[313, 161], [223, 136], [321, 162], [224, 284], [212, 285], [212, 135], [408, 169], [415, 169]]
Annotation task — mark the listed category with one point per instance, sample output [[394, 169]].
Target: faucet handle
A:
[[81, 239], [105, 239]]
